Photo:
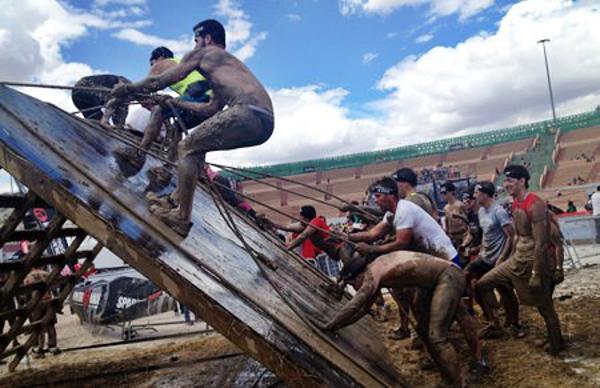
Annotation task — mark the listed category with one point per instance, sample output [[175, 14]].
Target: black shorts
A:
[[478, 267]]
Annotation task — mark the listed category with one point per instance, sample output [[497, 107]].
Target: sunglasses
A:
[[197, 33]]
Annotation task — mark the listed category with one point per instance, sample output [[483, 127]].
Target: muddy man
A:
[[530, 268], [444, 283]]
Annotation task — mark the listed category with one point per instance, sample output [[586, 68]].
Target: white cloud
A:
[[32, 35], [423, 38], [497, 79], [391, 35], [293, 17], [240, 39], [103, 3], [137, 37], [310, 122], [369, 57], [464, 8]]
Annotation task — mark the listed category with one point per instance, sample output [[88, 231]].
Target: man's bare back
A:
[[231, 80], [408, 269]]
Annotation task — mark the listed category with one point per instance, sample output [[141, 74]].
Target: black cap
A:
[[405, 174], [161, 52], [447, 187], [353, 268], [486, 187], [516, 171], [213, 28]]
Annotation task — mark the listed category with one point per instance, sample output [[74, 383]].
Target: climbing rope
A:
[[235, 170]]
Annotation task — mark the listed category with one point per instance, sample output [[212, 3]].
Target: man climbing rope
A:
[[314, 228], [248, 120], [90, 102], [193, 89]]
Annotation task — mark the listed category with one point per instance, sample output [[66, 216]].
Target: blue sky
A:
[[345, 76], [308, 41]]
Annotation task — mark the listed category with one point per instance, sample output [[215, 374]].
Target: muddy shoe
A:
[[399, 334], [54, 350], [130, 161], [172, 220], [164, 201], [490, 332], [416, 343], [426, 363], [159, 177], [517, 331], [555, 351], [479, 368], [37, 353]]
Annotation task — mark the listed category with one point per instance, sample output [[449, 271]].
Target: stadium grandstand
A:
[[561, 156]]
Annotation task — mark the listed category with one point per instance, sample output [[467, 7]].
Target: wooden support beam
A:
[[9, 201], [30, 260], [50, 311], [16, 217], [45, 260], [36, 297], [36, 234]]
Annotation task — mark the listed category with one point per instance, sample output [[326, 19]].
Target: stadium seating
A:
[[479, 155]]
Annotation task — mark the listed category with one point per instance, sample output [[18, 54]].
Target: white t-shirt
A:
[[427, 233], [596, 203]]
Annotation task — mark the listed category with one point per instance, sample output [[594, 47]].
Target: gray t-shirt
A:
[[492, 221]]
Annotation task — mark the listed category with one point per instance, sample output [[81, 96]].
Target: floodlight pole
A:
[[543, 42]]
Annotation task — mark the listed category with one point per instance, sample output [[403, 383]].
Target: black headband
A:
[[382, 190]]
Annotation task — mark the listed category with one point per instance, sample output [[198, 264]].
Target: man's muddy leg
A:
[[546, 309], [469, 328], [152, 129], [187, 172], [444, 304], [509, 301]]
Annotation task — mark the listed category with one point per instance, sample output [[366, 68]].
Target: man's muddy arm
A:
[[293, 228], [402, 241], [358, 306], [308, 231], [540, 231], [375, 233], [202, 109], [160, 81], [509, 232]]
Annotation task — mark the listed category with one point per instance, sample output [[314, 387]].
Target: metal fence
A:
[[582, 237]]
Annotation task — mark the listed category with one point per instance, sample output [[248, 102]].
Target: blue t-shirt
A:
[[492, 221]]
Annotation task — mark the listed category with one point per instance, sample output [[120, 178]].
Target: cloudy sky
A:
[[345, 76]]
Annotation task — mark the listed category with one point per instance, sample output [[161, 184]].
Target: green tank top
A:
[[181, 86]]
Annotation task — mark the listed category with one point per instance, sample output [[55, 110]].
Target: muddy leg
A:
[[152, 129], [546, 309]]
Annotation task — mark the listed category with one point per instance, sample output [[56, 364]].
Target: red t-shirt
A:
[[524, 205], [321, 224]]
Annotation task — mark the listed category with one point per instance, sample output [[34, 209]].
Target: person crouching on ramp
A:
[[247, 121]]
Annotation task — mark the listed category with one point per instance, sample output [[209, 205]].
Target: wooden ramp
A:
[[266, 310]]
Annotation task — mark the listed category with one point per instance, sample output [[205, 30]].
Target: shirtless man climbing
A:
[[444, 283], [193, 91], [530, 268], [247, 121]]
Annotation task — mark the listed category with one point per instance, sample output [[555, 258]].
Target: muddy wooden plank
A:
[[69, 164]]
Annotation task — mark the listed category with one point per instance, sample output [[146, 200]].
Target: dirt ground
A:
[[523, 362], [211, 360]]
